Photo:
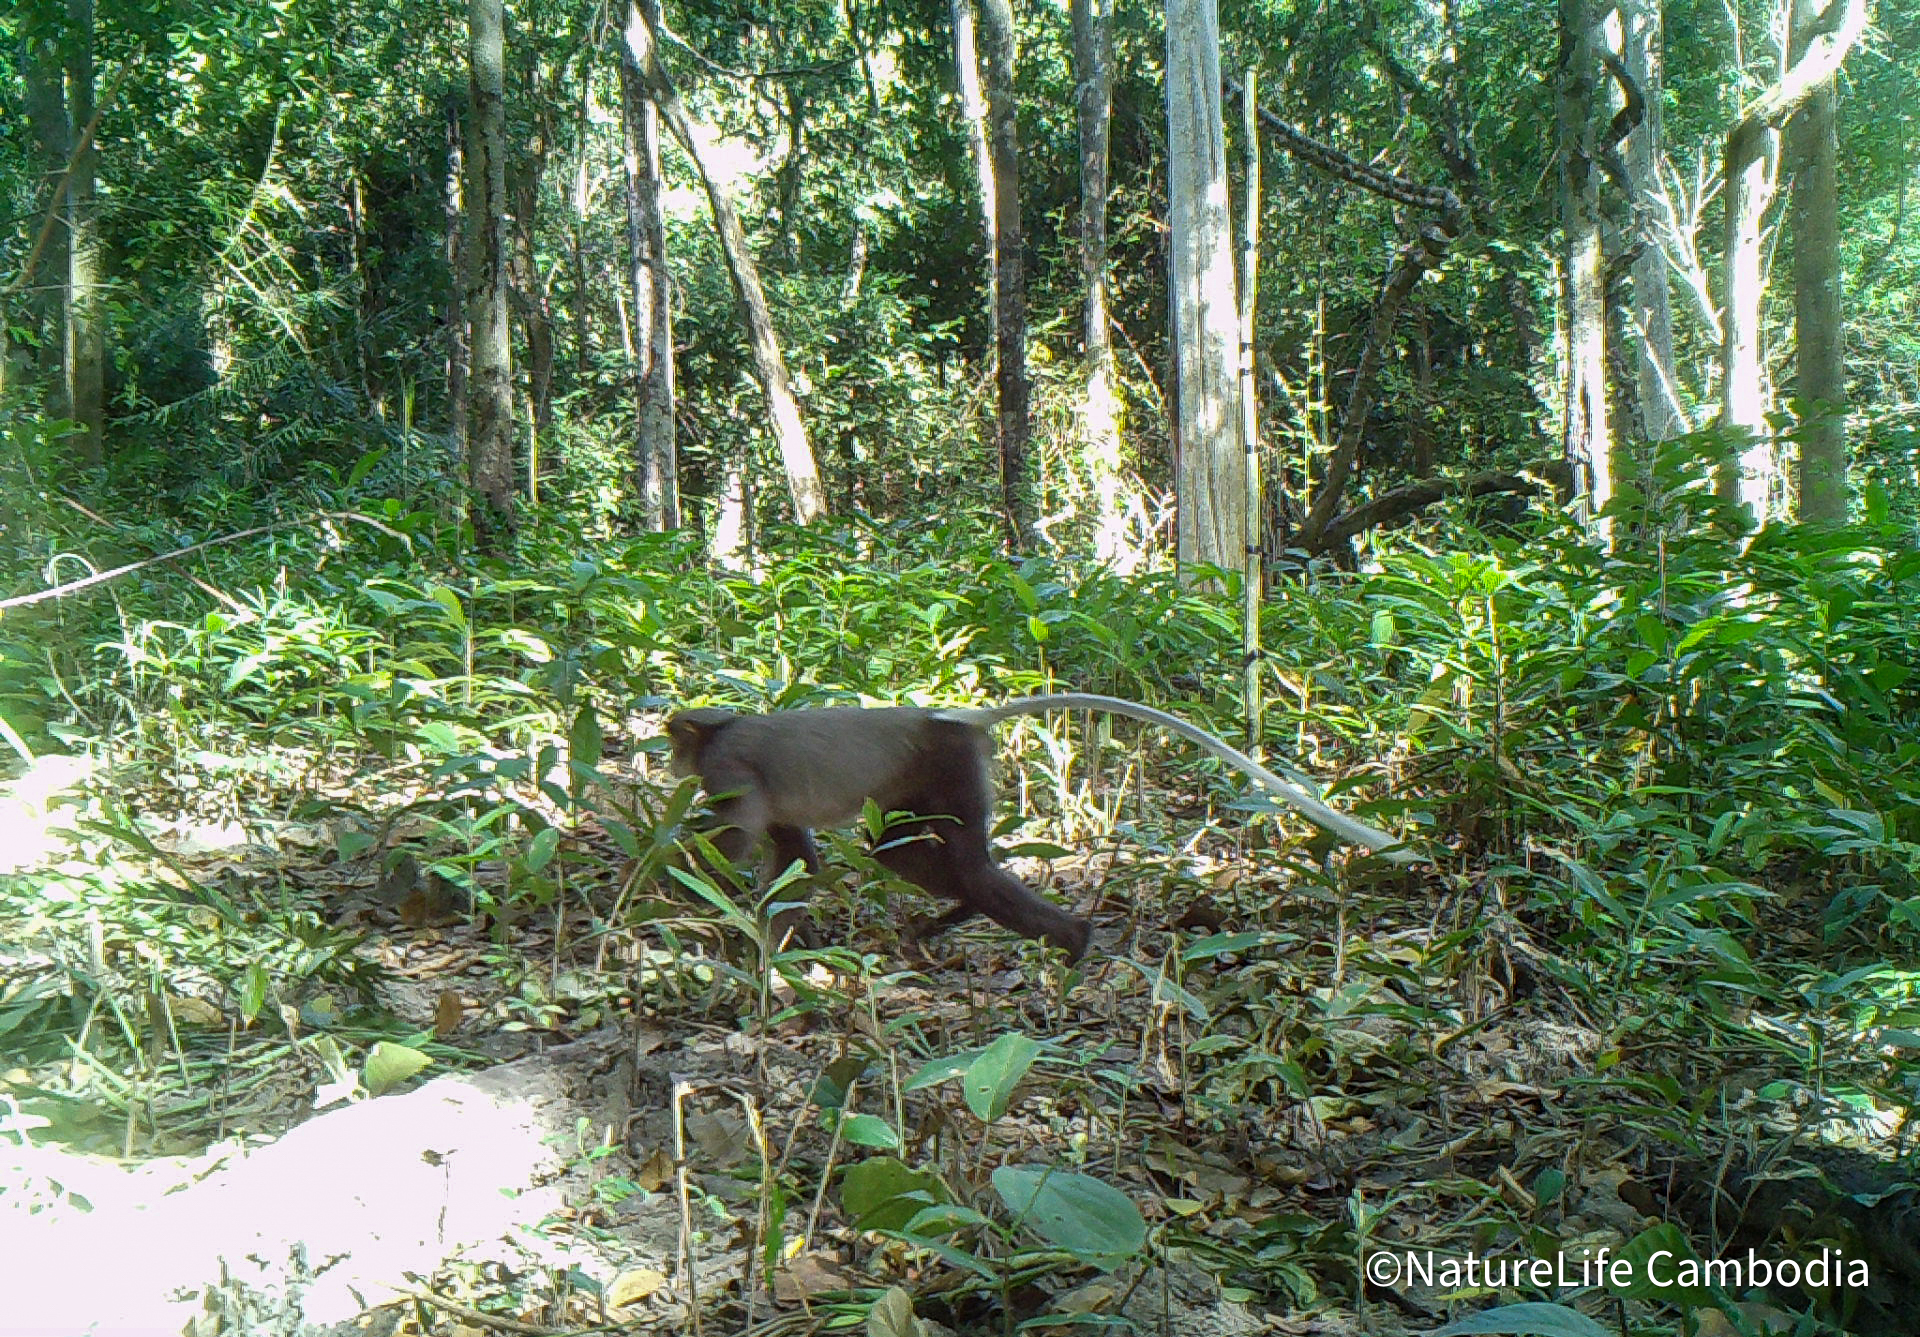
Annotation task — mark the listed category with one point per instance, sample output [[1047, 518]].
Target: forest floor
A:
[[1284, 1081]]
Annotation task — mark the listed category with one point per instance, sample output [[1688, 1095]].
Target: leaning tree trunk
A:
[[1752, 163], [1014, 426], [973, 110], [1656, 392], [1100, 411], [490, 374], [86, 338], [656, 457], [1213, 525], [790, 433], [1819, 323], [1586, 433]]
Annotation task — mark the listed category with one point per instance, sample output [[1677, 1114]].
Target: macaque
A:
[[778, 776]]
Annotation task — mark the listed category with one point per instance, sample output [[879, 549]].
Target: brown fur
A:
[[778, 776]]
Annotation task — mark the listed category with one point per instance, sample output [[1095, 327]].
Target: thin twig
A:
[[102, 577]]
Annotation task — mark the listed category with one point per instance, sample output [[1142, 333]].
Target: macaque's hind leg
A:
[[950, 856]]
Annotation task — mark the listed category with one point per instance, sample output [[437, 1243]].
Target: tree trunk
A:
[[490, 380], [1656, 392], [47, 117], [1010, 273], [85, 339], [1819, 320], [1209, 463], [1253, 571], [1753, 156], [529, 289], [796, 455], [973, 109], [1100, 412], [455, 318], [656, 454], [1586, 433], [1752, 166]]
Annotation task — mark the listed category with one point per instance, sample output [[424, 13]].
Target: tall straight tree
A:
[[973, 109], [1752, 171], [1819, 329], [1100, 416], [490, 348], [655, 452], [789, 432], [47, 117], [1656, 395], [1014, 427], [1587, 434], [86, 335], [1210, 466], [454, 245]]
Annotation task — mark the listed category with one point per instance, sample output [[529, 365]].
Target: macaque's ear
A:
[[691, 728]]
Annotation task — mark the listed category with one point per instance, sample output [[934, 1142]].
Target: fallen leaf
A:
[[446, 1014], [655, 1172], [634, 1286], [807, 1276]]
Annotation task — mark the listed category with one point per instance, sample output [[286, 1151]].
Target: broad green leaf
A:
[[868, 1130], [1532, 1319], [990, 1079], [389, 1064], [1092, 1220], [884, 1193]]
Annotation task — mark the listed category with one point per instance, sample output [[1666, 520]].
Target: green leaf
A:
[[1653, 632], [389, 1064], [540, 851], [991, 1078], [868, 1130], [884, 1193], [253, 990], [1092, 1220], [450, 602], [937, 1070], [584, 740], [1665, 1238], [1533, 1319]]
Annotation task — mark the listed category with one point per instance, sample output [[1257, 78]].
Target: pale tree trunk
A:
[[1587, 434], [973, 110], [656, 454], [1753, 157], [1210, 467], [1655, 391], [856, 265], [1752, 168], [47, 117], [1818, 317], [490, 376], [1014, 427], [789, 432], [455, 317], [729, 542], [1100, 411], [85, 338]]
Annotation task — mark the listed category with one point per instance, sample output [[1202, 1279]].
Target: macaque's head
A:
[[690, 731]]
